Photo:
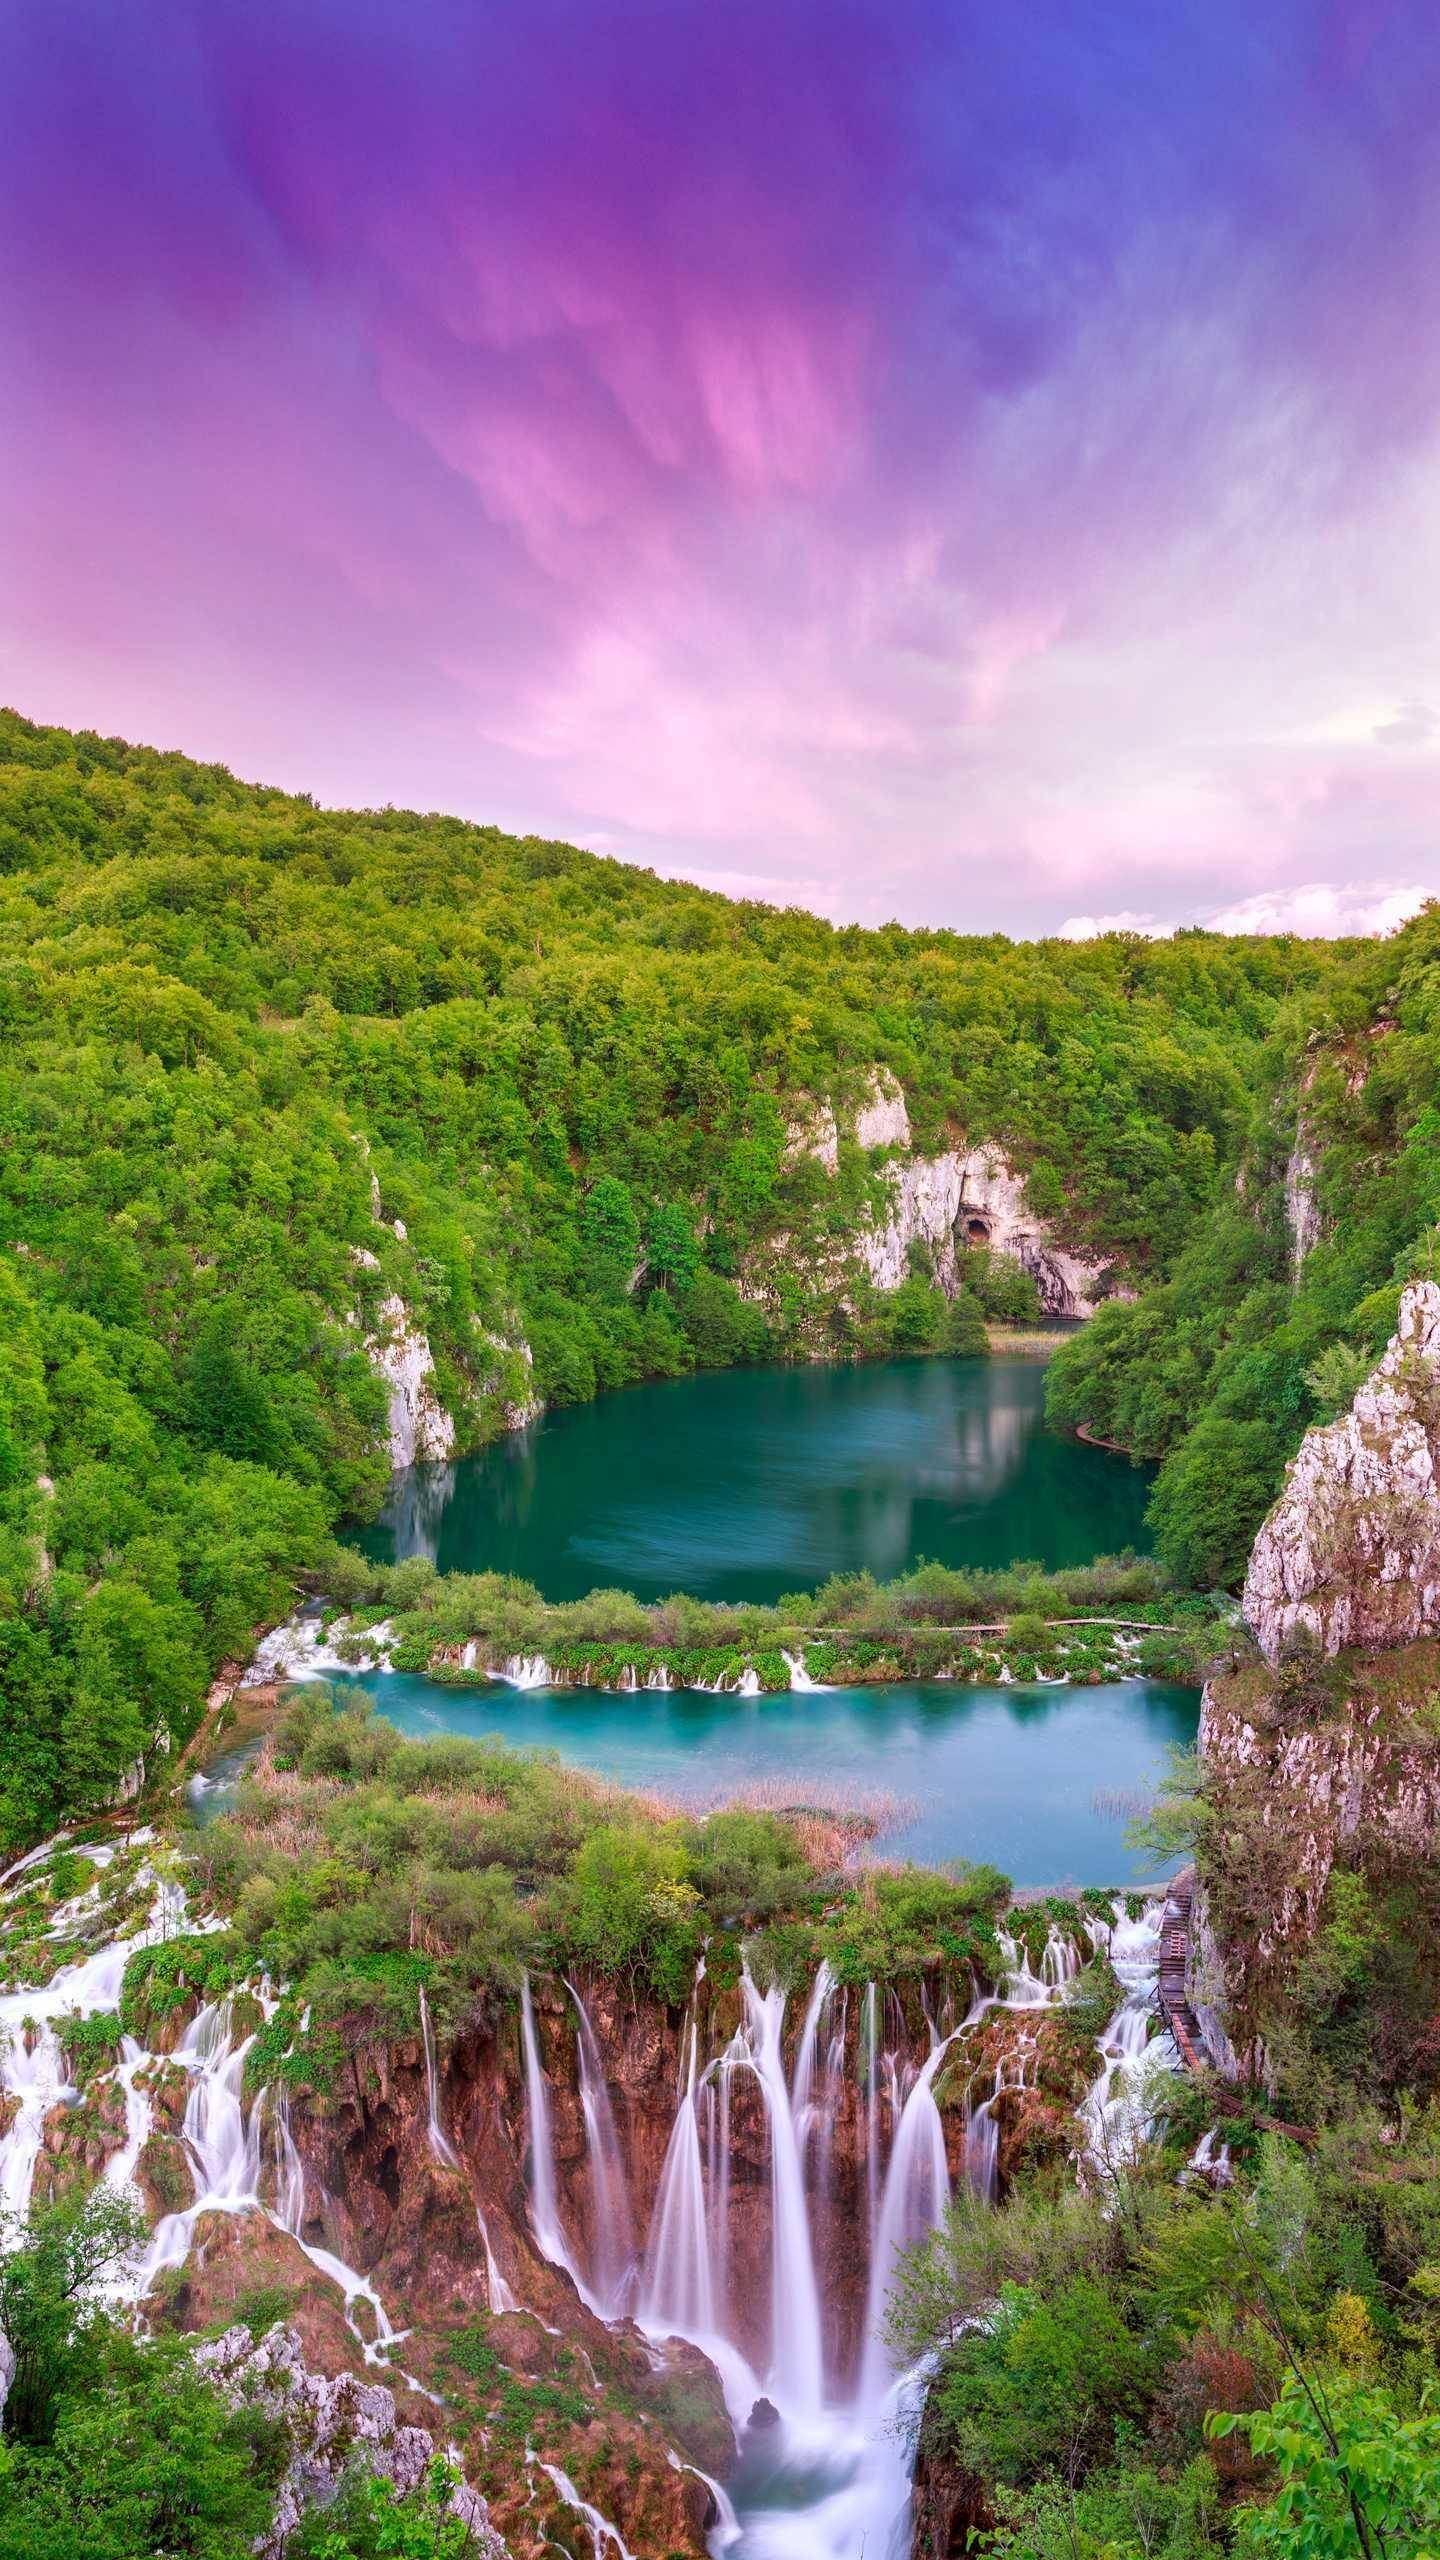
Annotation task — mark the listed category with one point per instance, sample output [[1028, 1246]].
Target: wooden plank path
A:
[[1172, 1996], [1173, 2002]]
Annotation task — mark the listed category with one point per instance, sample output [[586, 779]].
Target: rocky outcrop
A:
[[949, 1203], [334, 2421], [1350, 1554], [881, 1120], [1369, 1770], [418, 1425]]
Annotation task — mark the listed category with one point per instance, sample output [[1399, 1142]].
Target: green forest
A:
[[234, 1022]]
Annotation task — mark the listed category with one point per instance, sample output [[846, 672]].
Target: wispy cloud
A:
[[845, 451]]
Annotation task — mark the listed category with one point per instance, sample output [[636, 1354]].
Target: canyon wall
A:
[[1350, 1554], [962, 1197]]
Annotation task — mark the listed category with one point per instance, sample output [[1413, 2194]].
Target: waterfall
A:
[[870, 2051], [121, 2166], [1116, 2116], [795, 2357], [917, 2190], [544, 2204], [679, 2289], [1208, 2162], [803, 2083], [659, 1678], [441, 2145], [525, 1671], [748, 1685], [606, 2541], [800, 1680], [612, 2273], [469, 1655]]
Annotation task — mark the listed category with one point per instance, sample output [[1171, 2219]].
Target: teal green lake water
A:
[[745, 1484], [1041, 1781]]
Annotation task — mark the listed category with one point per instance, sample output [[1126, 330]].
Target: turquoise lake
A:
[[1040, 1781], [743, 1484]]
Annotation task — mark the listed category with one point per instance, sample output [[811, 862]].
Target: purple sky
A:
[[973, 463]]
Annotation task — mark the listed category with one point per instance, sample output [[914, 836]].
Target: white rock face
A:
[[419, 1426], [1302, 1209], [882, 1119], [949, 1202], [817, 1135], [1351, 1551], [335, 2422]]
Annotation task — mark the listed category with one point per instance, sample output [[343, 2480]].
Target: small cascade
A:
[[1211, 2159], [544, 2201], [469, 1655], [612, 2274], [32, 2057], [525, 1671], [917, 2191], [659, 1678], [121, 2166], [1060, 1962], [678, 2288], [748, 1684], [1024, 1989], [628, 1681], [441, 2145], [606, 2541], [800, 1680], [223, 2147], [1116, 2116], [795, 2376]]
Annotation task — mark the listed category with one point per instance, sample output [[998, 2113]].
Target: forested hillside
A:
[[267, 1065], [1283, 1296]]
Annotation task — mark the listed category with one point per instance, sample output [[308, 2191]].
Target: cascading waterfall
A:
[[800, 1680], [544, 2201], [525, 1671], [795, 2360], [917, 2190], [870, 2055], [803, 2085], [612, 2273], [440, 2143], [1116, 2115], [679, 2292]]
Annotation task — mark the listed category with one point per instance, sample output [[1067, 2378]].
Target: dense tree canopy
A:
[[265, 1065]]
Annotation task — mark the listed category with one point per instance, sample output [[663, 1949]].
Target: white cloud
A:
[[1324, 907], [1085, 928]]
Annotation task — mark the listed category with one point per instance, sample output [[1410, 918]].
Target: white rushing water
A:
[[830, 2479], [223, 2138]]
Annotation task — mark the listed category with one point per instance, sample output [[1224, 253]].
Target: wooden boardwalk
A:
[[1172, 1995]]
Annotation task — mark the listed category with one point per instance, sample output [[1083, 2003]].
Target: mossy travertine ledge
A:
[[1350, 1554]]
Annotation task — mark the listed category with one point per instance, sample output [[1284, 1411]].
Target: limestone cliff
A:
[[1326, 1751], [946, 1202], [417, 1423], [953, 1201], [1350, 1554]]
